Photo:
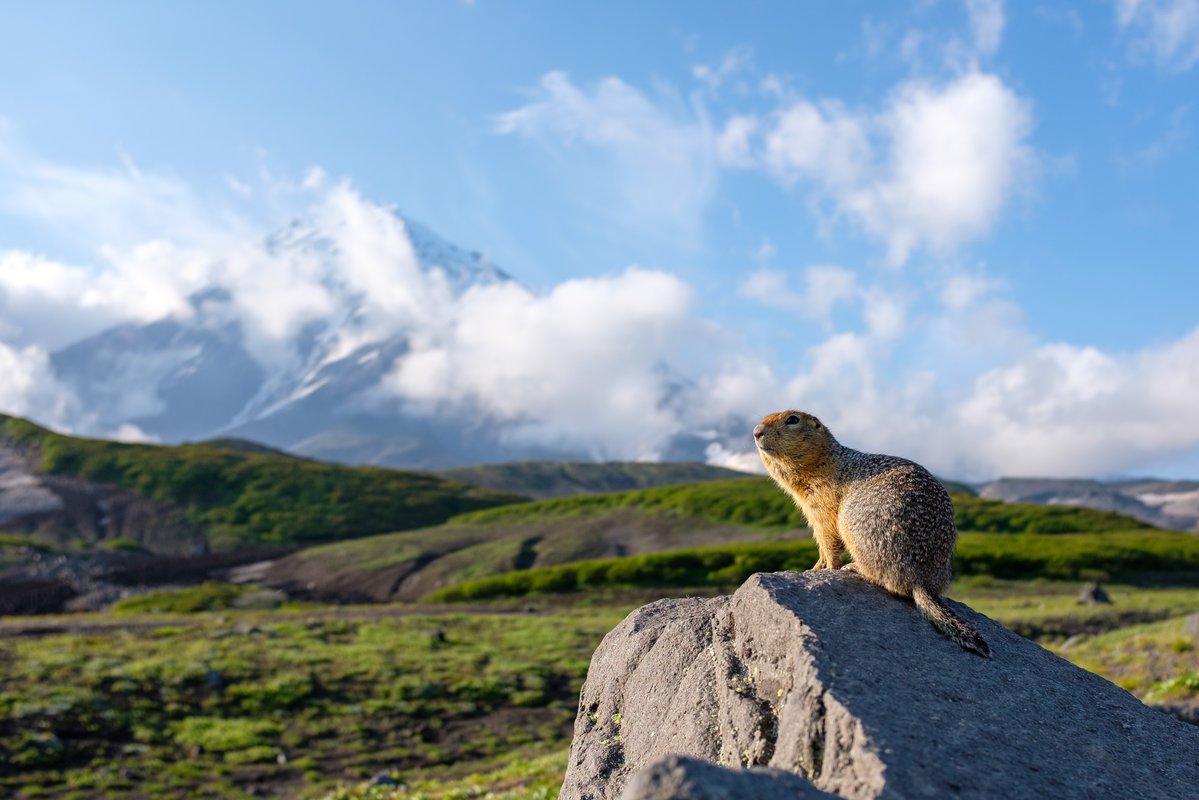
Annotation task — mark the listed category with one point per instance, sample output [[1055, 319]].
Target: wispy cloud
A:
[[660, 168], [986, 25], [1165, 30], [112, 205], [734, 62], [823, 288], [1170, 140]]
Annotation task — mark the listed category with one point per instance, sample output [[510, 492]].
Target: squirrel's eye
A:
[[792, 420]]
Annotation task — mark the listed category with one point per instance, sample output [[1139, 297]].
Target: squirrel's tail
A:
[[948, 623]]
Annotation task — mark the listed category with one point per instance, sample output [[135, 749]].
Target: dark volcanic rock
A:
[[822, 675], [33, 595]]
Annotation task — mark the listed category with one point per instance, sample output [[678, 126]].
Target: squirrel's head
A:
[[792, 439]]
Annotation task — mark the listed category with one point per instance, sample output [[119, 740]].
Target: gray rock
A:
[[822, 675], [1093, 595], [383, 779], [682, 778], [1191, 626]]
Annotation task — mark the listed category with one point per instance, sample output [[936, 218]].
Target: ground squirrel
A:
[[894, 518]]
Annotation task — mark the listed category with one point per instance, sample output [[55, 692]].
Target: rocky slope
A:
[[825, 677], [1167, 504]]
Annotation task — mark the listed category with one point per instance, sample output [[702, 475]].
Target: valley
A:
[[270, 625]]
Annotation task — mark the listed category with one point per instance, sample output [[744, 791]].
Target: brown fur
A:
[[894, 518]]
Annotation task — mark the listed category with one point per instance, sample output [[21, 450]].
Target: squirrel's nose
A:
[[759, 430]]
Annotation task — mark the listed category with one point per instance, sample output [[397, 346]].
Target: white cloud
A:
[[29, 388], [733, 144], [885, 314], [961, 290], [1166, 30], [664, 165], [587, 365], [54, 304], [956, 154], [1063, 409], [933, 169], [823, 143], [823, 288], [986, 25], [128, 432], [718, 455]]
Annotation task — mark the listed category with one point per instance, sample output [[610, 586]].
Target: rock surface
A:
[[824, 676], [682, 778]]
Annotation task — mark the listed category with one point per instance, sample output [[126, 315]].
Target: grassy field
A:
[[313, 701], [749, 517], [758, 503], [289, 701], [1123, 555]]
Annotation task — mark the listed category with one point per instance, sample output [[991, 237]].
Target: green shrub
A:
[[219, 735], [36, 749], [1065, 556], [252, 755], [286, 691], [209, 596], [482, 690]]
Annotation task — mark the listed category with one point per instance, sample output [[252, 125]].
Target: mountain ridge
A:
[[204, 373]]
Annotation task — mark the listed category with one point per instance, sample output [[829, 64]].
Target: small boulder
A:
[[1093, 595], [384, 779]]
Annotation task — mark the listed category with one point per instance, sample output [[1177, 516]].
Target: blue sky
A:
[[947, 201]]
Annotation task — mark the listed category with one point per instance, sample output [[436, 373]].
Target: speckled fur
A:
[[894, 518]]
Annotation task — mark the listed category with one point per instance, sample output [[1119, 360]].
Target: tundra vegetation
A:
[[468, 687]]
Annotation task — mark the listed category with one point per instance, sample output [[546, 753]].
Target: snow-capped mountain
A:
[[215, 371]]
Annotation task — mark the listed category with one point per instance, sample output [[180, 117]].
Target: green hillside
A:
[[744, 512], [545, 479], [1072, 556], [247, 496]]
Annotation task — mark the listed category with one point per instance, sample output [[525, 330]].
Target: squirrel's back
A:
[[895, 515]]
